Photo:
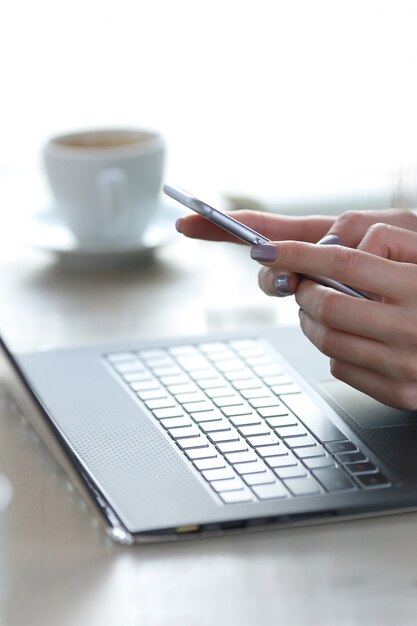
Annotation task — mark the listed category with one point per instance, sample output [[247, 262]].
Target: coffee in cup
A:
[[106, 182]]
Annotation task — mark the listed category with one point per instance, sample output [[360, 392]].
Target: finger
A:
[[361, 270], [390, 242], [366, 318], [282, 285], [351, 226], [351, 349], [273, 226], [400, 394]]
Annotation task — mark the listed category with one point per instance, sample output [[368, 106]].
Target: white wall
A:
[[251, 94]]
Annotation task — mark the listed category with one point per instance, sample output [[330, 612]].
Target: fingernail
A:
[[265, 252], [281, 285], [178, 224], [329, 240]]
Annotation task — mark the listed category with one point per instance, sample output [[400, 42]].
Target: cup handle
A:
[[112, 192]]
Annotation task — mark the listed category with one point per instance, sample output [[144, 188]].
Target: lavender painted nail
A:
[[281, 285], [264, 252], [329, 240], [178, 224]]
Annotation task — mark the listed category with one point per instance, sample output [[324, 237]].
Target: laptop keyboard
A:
[[240, 421]]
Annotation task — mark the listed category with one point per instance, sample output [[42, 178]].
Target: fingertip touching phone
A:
[[246, 234]]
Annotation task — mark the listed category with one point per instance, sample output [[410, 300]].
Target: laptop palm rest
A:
[[365, 411]]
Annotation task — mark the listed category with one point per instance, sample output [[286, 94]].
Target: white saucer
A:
[[45, 231]]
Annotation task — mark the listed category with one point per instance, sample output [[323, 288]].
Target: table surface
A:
[[63, 568]]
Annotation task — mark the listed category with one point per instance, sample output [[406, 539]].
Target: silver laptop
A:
[[215, 434]]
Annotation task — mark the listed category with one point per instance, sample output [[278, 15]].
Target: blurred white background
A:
[[252, 95]]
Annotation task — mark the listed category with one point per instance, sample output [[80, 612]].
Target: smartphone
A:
[[246, 234]]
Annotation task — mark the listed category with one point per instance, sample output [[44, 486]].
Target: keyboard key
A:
[[206, 452], [310, 452], [261, 478], [213, 463], [250, 468], [233, 484], [153, 393], [232, 446], [215, 426], [263, 440], [223, 401], [256, 429], [333, 479], [160, 403], [137, 376], [267, 451], [242, 374], [196, 396], [185, 388], [283, 460], [194, 407], [242, 457], [264, 402], [283, 418], [248, 383], [235, 497], [364, 467], [269, 492], [302, 486], [170, 370], [128, 366], [301, 442], [245, 420], [193, 362], [341, 446], [351, 457], [291, 431], [206, 416], [222, 436], [280, 379], [144, 385], [258, 392], [184, 433], [280, 421], [216, 392], [177, 422], [192, 442], [240, 409], [229, 365], [211, 383], [290, 388], [115, 357], [268, 370], [319, 461], [181, 379], [175, 411], [292, 471], [313, 417], [372, 481], [198, 375], [223, 473]]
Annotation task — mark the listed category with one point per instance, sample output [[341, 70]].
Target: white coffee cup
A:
[[5, 497], [105, 182]]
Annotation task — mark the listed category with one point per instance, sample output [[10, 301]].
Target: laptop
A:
[[214, 434]]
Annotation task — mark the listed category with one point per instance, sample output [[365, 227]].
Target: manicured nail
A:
[[178, 224], [329, 240], [264, 252], [281, 285]]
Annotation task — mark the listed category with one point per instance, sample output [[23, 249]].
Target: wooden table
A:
[[64, 571]]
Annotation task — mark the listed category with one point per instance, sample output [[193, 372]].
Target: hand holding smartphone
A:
[[236, 228]]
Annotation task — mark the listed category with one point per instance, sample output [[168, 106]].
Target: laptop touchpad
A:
[[366, 411]]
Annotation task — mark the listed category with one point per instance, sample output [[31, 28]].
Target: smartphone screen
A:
[[246, 234]]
